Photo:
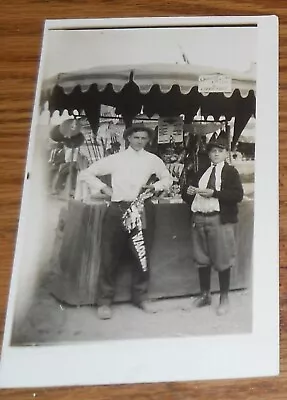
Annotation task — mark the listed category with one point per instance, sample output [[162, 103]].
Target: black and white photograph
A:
[[140, 215]]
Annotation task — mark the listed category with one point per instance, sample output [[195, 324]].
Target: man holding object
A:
[[130, 171]]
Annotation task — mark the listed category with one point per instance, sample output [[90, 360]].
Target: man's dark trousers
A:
[[114, 240]]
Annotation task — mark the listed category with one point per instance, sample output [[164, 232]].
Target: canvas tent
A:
[[155, 89]]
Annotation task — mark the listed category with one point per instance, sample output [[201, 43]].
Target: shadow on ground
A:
[[50, 322]]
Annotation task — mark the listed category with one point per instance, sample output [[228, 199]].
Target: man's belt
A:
[[207, 214], [124, 205]]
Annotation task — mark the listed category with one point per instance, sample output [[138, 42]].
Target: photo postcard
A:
[[147, 238]]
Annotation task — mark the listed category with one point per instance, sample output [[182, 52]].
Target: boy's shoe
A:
[[146, 306], [203, 300], [104, 312], [223, 307]]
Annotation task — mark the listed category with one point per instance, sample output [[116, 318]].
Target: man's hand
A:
[[191, 190], [151, 188], [205, 192], [107, 191]]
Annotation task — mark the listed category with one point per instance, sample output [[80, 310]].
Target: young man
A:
[[130, 171], [213, 195]]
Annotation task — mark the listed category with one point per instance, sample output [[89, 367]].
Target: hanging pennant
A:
[[134, 222], [56, 135], [70, 127], [74, 141]]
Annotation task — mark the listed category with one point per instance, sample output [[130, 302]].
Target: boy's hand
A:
[[205, 192], [191, 190], [107, 191]]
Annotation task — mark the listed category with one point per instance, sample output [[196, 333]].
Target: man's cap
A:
[[138, 128]]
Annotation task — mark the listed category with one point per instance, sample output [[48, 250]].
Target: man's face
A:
[[217, 155], [138, 140]]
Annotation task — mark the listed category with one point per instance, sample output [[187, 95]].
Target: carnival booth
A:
[[186, 106]]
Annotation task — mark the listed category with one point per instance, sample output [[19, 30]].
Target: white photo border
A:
[[175, 359]]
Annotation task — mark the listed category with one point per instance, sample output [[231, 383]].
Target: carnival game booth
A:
[[185, 105]]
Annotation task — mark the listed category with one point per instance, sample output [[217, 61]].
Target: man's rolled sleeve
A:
[[165, 179], [99, 168]]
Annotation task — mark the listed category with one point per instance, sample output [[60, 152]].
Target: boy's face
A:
[[217, 155]]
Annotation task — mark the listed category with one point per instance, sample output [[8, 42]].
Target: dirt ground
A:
[[50, 322]]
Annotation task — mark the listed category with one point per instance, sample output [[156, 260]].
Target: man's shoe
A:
[[203, 300], [104, 312], [146, 306], [223, 307]]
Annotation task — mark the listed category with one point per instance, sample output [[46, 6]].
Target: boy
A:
[[213, 195]]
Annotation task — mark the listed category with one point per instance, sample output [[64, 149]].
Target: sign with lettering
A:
[[214, 83], [170, 129], [139, 245]]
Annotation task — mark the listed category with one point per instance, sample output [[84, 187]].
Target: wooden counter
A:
[[171, 260]]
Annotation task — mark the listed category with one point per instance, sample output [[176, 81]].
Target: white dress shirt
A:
[[129, 170], [204, 204]]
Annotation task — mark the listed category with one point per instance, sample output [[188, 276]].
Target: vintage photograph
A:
[[147, 246], [142, 176]]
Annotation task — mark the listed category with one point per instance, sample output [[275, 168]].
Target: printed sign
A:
[[170, 130], [214, 83]]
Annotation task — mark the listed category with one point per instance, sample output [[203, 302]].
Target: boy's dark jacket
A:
[[229, 196]]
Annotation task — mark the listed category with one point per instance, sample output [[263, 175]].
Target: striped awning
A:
[[165, 76], [155, 89]]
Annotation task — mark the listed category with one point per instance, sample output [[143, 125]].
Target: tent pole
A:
[[227, 129], [70, 180]]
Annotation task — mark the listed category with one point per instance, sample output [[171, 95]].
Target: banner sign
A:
[[214, 84]]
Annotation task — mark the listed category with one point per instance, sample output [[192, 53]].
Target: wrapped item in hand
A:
[[133, 221]]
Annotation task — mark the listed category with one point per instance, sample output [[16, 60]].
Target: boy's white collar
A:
[[219, 165]]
